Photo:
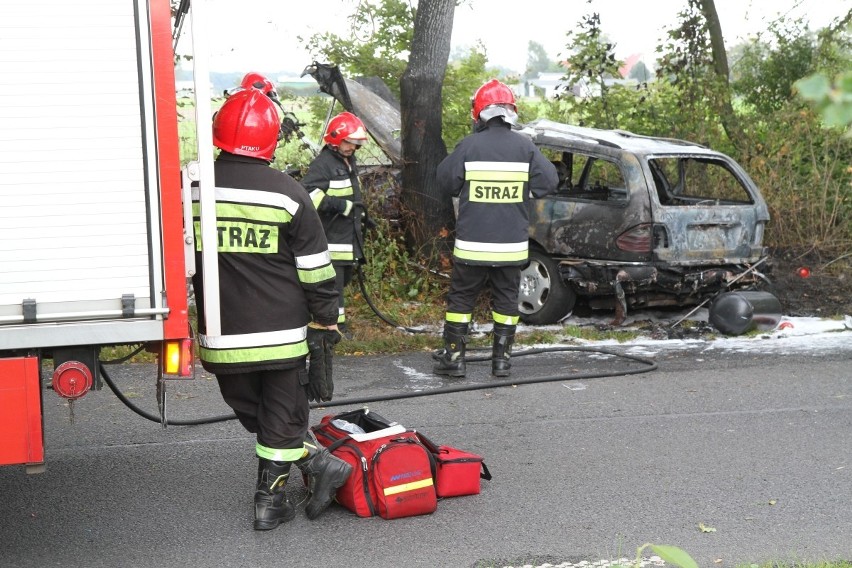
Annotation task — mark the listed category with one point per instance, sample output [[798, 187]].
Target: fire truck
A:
[[95, 243]]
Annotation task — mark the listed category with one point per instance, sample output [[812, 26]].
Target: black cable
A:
[[650, 365], [125, 358], [152, 417], [376, 310], [363, 286]]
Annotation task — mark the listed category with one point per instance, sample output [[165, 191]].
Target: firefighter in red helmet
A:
[[332, 182], [493, 173], [275, 276], [254, 80]]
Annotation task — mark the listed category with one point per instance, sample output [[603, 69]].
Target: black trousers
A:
[[468, 280], [342, 277], [271, 404]]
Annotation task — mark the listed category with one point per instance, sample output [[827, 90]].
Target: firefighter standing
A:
[[493, 172], [275, 276], [332, 181]]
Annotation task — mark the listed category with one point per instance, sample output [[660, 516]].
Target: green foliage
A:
[[590, 64], [378, 46], [833, 99], [676, 105], [377, 43], [391, 271], [670, 554], [460, 82], [538, 61], [804, 172], [767, 69]]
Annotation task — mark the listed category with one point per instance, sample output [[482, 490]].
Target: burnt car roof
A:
[[544, 131]]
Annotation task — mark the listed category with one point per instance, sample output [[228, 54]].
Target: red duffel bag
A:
[[392, 472]]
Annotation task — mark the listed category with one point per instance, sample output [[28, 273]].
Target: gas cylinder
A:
[[735, 313]]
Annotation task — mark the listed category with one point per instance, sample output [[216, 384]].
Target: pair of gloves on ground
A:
[[321, 342]]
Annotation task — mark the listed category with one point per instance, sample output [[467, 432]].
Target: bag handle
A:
[[429, 444], [485, 474]]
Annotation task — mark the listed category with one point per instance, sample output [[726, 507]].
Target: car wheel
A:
[[543, 297]]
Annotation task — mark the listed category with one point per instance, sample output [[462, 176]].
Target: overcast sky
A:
[[262, 35]]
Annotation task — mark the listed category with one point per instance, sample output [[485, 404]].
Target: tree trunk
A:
[[422, 145], [720, 66]]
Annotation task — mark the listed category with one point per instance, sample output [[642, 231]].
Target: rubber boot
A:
[[451, 358], [501, 351], [325, 474], [271, 506]]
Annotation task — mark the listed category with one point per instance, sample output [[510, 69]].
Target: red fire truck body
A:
[[93, 245]]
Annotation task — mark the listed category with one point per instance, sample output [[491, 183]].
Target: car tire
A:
[[543, 296]]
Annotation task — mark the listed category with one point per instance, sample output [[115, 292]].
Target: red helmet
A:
[[257, 81], [345, 126], [247, 124], [492, 93]]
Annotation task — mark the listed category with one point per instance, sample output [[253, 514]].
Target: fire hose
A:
[[646, 365]]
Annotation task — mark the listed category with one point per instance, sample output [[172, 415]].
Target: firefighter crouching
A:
[[493, 172], [275, 276], [332, 181]]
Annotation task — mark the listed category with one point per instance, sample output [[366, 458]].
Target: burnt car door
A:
[[709, 210], [601, 209]]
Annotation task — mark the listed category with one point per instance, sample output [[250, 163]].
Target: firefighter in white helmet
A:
[[275, 276], [493, 172]]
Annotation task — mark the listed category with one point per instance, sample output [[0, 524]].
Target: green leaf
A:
[[814, 87], [844, 82], [838, 114], [705, 528], [674, 555]]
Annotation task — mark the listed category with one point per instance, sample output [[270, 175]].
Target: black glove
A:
[[321, 344]]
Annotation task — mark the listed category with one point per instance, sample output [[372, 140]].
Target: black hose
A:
[[649, 365], [152, 417], [376, 310]]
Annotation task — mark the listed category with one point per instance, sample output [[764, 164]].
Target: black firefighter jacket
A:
[[336, 193], [275, 273], [493, 172]]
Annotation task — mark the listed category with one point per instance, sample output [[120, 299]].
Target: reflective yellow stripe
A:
[[342, 255], [505, 320], [408, 486], [254, 354], [316, 275], [317, 196], [285, 455], [458, 318], [490, 256], [342, 192]]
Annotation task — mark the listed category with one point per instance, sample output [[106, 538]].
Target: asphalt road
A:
[[753, 443]]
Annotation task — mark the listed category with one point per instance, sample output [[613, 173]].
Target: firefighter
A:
[[332, 182], [254, 80], [493, 172], [275, 276]]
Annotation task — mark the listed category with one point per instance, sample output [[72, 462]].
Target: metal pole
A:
[[206, 184]]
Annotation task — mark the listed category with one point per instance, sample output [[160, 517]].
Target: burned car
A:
[[637, 222]]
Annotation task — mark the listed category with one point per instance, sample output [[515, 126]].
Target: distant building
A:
[[547, 82]]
